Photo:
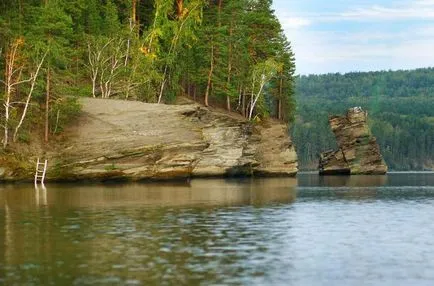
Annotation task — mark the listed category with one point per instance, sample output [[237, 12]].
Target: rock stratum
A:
[[116, 139], [358, 153]]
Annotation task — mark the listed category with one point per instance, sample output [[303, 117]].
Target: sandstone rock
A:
[[136, 141], [358, 151]]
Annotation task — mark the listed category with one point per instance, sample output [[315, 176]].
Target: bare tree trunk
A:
[[254, 99], [8, 90], [128, 44], [279, 109], [279, 103], [57, 121], [228, 102], [96, 63], [243, 104], [47, 106], [228, 99], [11, 80], [211, 70], [29, 96]]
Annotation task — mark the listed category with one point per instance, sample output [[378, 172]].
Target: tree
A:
[[16, 65], [261, 75], [174, 33]]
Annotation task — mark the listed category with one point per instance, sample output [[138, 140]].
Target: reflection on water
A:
[[134, 233], [195, 193], [391, 179], [335, 231], [393, 186]]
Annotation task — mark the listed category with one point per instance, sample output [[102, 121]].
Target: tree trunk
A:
[[9, 82], [29, 97], [47, 105], [134, 12], [179, 8], [228, 102], [32, 80], [243, 103], [228, 83], [254, 100], [279, 103], [6, 105], [211, 69], [210, 73]]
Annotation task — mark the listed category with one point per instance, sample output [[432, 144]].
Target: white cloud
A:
[[424, 2], [421, 9], [289, 22], [323, 52], [381, 13], [370, 44]]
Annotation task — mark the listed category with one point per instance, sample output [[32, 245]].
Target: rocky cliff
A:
[[117, 139], [358, 151]]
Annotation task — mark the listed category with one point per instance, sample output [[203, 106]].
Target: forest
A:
[[230, 54], [400, 105]]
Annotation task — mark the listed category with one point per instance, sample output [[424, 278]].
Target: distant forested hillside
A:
[[400, 106]]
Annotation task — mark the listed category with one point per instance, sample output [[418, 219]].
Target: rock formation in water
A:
[[358, 151], [116, 139]]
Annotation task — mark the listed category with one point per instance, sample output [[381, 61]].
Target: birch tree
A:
[[16, 67], [95, 61], [33, 78], [261, 75], [183, 27], [106, 57], [111, 67]]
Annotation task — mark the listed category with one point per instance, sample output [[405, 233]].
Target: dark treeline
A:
[[400, 106], [228, 53]]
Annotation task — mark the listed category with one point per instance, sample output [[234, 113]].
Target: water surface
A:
[[308, 231]]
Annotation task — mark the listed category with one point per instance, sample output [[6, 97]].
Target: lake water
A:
[[311, 230]]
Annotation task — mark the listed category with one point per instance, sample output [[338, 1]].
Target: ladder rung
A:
[[40, 174]]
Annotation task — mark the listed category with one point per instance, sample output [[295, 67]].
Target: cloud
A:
[[408, 10], [418, 10], [289, 22], [424, 2], [355, 37], [318, 52]]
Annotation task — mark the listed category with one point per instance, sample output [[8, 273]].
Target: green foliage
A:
[[62, 111], [400, 106], [93, 20], [110, 23], [170, 49]]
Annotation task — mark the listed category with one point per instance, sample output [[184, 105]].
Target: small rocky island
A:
[[358, 153]]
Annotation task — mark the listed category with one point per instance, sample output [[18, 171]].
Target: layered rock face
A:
[[131, 140], [358, 151]]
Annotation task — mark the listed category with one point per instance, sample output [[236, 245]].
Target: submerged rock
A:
[[116, 139], [358, 151]]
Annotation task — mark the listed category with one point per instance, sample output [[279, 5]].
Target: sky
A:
[[329, 36]]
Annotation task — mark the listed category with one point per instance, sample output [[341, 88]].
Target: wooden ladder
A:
[[40, 173]]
